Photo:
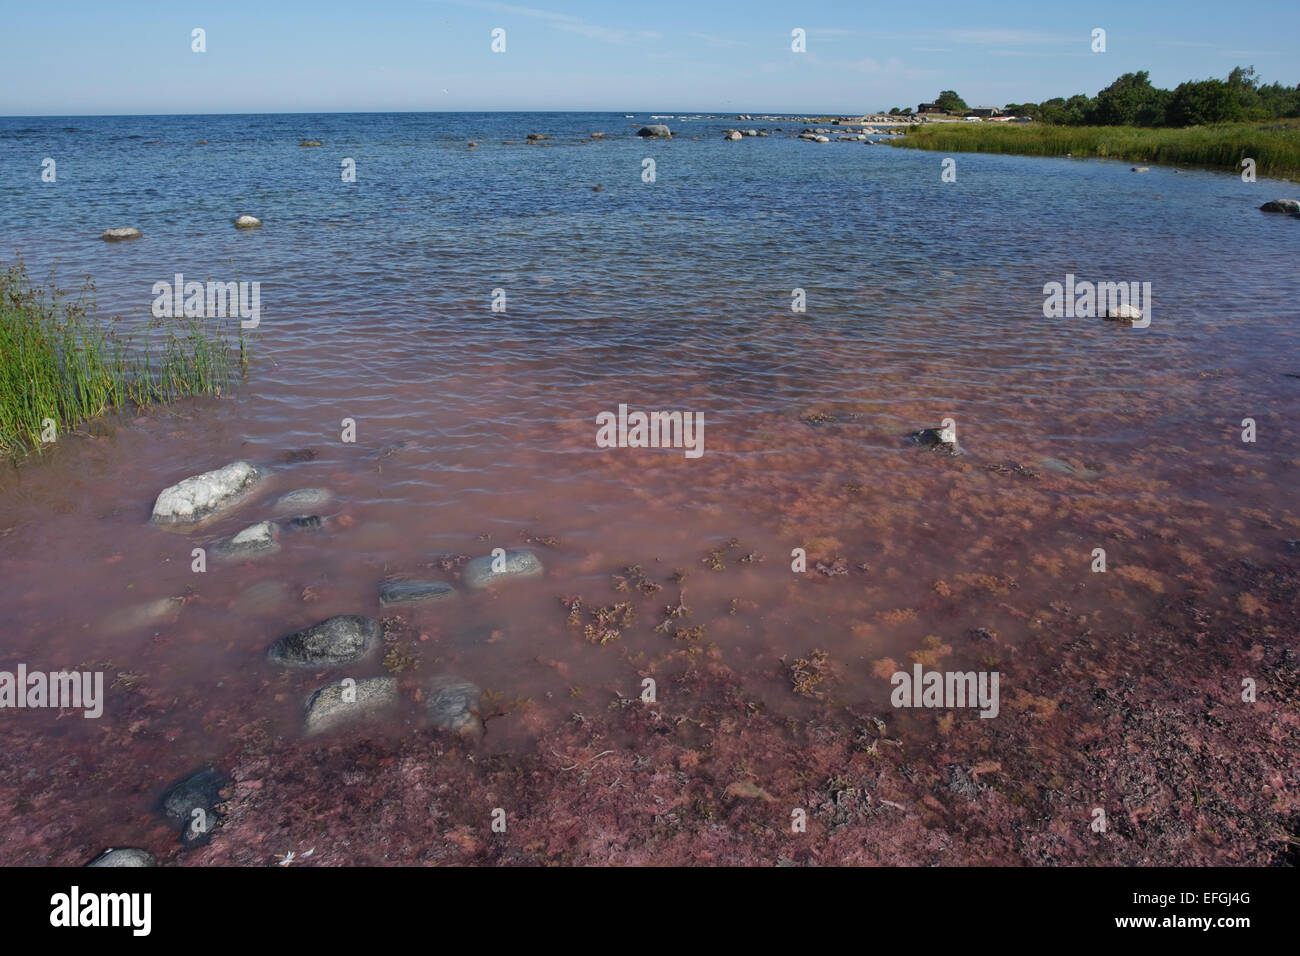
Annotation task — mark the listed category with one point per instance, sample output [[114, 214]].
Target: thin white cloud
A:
[[564, 21], [999, 37], [713, 40]]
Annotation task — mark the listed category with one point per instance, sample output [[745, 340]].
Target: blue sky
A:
[[125, 56]]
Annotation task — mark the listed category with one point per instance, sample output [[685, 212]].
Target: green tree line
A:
[[1132, 101]]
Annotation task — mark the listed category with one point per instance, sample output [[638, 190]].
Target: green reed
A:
[[59, 363], [1274, 146]]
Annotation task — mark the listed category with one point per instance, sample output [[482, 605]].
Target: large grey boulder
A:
[[337, 640], [655, 130], [348, 700], [202, 496], [482, 572], [124, 232]]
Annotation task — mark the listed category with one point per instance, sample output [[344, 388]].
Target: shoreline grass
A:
[[60, 365], [1275, 146]]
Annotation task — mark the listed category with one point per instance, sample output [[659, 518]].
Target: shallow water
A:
[[924, 301]]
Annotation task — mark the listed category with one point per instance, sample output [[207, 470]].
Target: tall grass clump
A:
[[60, 364], [1275, 147]]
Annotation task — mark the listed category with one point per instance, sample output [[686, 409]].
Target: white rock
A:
[[734, 135], [199, 496], [125, 232], [247, 222], [258, 533], [1124, 311]]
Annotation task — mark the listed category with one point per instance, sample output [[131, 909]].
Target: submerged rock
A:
[[1063, 467], [261, 597], [255, 539], [140, 616], [247, 222], [301, 499], [938, 438], [1141, 169], [124, 232], [346, 700], [310, 142], [655, 130], [1282, 205], [482, 572], [188, 805], [202, 496], [410, 592], [125, 856], [304, 522], [453, 706], [337, 640]]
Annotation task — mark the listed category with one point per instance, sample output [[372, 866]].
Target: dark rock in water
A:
[[336, 640], [188, 805], [934, 438], [410, 592], [484, 571], [1293, 544], [453, 706], [305, 521], [1281, 205], [655, 130], [299, 454], [534, 137], [347, 700], [126, 856]]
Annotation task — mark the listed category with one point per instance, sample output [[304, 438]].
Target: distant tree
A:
[[1080, 110], [1279, 101], [1052, 111], [950, 101], [1244, 83], [1199, 102], [894, 111], [907, 111], [1131, 101], [1022, 109]]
